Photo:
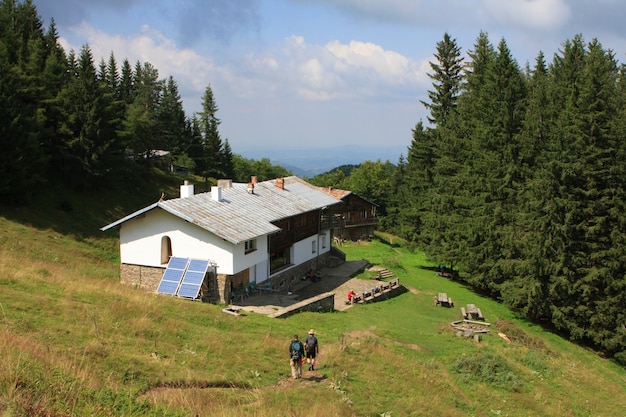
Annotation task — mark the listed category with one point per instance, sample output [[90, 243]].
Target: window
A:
[[166, 249], [313, 247], [363, 214], [323, 239], [250, 245], [280, 259]]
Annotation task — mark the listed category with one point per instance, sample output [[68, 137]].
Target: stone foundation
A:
[[148, 278], [139, 276]]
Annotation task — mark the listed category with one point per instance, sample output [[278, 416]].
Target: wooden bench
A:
[[394, 283], [383, 274]]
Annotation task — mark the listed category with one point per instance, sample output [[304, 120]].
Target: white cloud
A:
[[294, 72], [349, 71], [544, 15]]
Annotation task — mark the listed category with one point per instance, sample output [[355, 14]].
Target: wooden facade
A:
[[356, 219]]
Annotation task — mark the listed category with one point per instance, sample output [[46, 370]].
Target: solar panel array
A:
[[173, 274], [193, 278], [183, 277]]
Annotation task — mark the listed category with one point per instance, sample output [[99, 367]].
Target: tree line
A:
[[518, 181], [65, 119]]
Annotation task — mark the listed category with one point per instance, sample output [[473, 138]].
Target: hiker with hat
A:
[[312, 349]]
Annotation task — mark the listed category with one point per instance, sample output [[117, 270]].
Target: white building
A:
[[260, 233]]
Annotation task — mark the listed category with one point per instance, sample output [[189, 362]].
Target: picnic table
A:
[[471, 312], [442, 299]]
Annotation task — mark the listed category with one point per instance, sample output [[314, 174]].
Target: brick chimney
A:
[[251, 184], [280, 183]]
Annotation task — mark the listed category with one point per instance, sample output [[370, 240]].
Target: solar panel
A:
[[193, 278], [172, 275]]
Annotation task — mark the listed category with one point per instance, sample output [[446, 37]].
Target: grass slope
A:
[[75, 342]]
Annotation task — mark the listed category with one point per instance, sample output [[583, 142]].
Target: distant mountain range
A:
[[309, 162]]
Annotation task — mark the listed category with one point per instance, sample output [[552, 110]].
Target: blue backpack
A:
[[296, 349]]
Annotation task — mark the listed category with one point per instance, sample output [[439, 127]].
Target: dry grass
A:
[[73, 341]]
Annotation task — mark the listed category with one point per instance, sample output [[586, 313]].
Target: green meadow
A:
[[75, 342]]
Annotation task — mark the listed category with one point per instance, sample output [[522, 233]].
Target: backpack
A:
[[296, 348], [311, 341]]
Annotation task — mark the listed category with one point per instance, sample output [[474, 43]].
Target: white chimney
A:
[[186, 190], [216, 193]]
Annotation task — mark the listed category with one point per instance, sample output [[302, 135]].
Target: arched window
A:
[[166, 249]]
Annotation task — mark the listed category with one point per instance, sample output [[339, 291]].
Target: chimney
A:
[[216, 193], [186, 190], [250, 188], [280, 183], [253, 179], [225, 183]]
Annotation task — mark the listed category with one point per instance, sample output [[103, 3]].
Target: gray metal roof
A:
[[240, 216]]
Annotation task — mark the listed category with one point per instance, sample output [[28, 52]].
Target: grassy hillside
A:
[[73, 341]]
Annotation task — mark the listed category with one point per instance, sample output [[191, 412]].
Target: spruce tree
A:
[[447, 77], [212, 146]]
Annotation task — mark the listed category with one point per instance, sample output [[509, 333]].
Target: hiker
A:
[[296, 353], [312, 349], [350, 296]]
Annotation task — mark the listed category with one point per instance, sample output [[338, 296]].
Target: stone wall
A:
[[138, 276], [321, 303]]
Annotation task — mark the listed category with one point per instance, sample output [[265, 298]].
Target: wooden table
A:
[[444, 300], [472, 312]]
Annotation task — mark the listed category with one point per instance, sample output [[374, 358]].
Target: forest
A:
[[516, 180], [66, 120]]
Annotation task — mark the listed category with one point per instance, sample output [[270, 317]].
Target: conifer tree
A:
[[447, 77], [172, 119], [142, 126], [211, 141]]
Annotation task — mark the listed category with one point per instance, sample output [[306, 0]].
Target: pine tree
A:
[[447, 77], [415, 189], [172, 119], [227, 160], [212, 146], [142, 127]]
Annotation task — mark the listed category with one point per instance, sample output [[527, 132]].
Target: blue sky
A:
[[319, 73]]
